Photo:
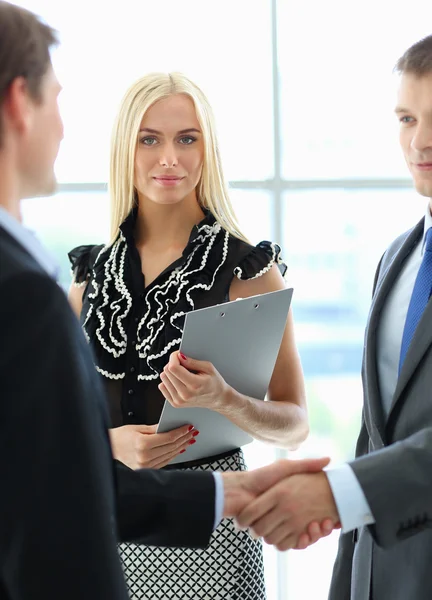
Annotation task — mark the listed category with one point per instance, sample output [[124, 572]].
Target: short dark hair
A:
[[25, 44], [417, 60]]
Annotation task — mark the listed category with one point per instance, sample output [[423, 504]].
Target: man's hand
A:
[[283, 514], [242, 488], [315, 531]]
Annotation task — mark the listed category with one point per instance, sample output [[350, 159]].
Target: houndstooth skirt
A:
[[230, 568]]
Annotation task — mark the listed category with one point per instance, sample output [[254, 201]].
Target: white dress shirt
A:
[[29, 241], [353, 508]]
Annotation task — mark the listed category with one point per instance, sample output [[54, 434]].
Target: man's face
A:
[[41, 142], [414, 111]]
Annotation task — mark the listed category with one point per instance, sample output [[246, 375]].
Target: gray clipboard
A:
[[242, 340]]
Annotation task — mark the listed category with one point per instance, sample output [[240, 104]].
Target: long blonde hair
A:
[[212, 189]]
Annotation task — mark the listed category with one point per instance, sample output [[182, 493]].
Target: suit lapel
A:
[[420, 343], [374, 414]]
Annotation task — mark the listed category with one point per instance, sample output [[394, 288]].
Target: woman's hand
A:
[[139, 446], [189, 382]]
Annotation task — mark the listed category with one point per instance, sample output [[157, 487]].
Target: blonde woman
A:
[[176, 246]]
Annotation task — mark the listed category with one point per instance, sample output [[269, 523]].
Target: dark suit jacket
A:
[[58, 496], [391, 560]]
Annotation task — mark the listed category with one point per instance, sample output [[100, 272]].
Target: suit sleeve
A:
[[57, 534], [165, 508], [398, 475]]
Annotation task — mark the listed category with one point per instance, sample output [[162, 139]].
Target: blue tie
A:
[[420, 297]]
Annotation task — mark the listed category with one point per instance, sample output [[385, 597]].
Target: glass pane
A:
[[333, 242], [337, 89], [104, 49], [253, 209], [67, 220]]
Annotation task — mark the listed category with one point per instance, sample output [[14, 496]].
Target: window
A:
[[303, 95]]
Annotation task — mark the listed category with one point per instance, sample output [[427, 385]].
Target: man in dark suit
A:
[[60, 488], [384, 496]]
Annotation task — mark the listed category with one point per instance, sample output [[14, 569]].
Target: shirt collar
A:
[[427, 225], [29, 242]]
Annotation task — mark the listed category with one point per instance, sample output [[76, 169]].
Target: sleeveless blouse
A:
[[133, 328]]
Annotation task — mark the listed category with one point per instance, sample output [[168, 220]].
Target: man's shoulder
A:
[[28, 294], [400, 240], [397, 243], [14, 258], [393, 249], [25, 286]]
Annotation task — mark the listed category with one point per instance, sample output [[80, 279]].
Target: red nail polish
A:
[[181, 451], [195, 433], [190, 427], [183, 356], [192, 442]]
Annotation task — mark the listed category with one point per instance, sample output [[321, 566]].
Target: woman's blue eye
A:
[[187, 140], [148, 141], [406, 119]]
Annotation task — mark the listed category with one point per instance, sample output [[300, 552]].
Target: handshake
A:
[[288, 503]]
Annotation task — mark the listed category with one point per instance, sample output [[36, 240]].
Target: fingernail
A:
[[183, 356], [192, 442], [181, 451], [195, 433], [190, 427]]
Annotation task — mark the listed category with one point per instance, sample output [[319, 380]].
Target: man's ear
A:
[[18, 106]]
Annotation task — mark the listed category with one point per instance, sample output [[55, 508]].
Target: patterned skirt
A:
[[230, 568]]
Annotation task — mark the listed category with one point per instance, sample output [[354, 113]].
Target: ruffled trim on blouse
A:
[[159, 329], [260, 260], [82, 259], [164, 305]]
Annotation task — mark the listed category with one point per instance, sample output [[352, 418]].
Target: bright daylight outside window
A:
[[303, 95]]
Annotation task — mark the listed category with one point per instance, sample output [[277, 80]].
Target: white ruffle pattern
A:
[[112, 336], [275, 259]]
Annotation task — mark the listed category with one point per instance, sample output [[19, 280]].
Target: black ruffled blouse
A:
[[133, 328]]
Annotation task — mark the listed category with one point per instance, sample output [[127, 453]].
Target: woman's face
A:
[[170, 152]]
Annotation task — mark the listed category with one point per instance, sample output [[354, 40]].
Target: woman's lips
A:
[[166, 180]]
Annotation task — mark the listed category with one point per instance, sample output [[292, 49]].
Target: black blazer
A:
[[60, 490]]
